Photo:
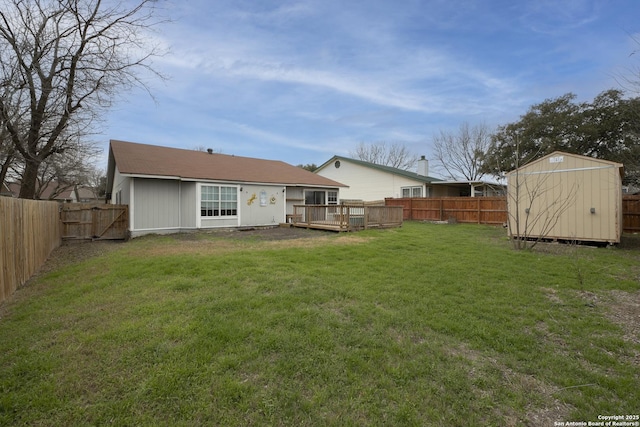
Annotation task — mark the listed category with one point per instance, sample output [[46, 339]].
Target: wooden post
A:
[[411, 208], [365, 220]]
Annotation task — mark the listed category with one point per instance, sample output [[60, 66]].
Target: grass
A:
[[422, 325]]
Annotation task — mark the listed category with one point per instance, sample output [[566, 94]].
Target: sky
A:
[[301, 81]]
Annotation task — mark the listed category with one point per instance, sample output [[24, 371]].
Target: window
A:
[[218, 201], [412, 191], [332, 197]]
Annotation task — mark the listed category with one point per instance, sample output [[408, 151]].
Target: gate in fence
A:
[[94, 222]]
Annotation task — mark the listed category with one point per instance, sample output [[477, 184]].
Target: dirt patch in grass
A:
[[222, 241], [624, 310], [215, 241], [72, 253], [254, 233], [552, 411]]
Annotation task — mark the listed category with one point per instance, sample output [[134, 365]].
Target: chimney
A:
[[210, 150], [423, 166]]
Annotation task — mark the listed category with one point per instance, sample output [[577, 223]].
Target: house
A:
[[372, 182], [566, 197], [170, 190], [69, 193], [5, 191]]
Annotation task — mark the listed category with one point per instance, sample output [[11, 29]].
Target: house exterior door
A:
[[315, 198]]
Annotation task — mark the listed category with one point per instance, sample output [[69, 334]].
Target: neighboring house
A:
[[81, 194], [467, 189], [54, 191], [171, 190], [5, 191], [371, 182]]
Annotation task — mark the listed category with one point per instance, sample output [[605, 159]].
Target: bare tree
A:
[[62, 63], [535, 205], [97, 182], [460, 155], [7, 155], [71, 169], [396, 155]]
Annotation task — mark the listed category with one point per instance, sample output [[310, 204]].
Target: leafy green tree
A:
[[606, 128], [311, 167]]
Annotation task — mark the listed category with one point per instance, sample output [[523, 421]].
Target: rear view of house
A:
[[170, 190], [566, 197]]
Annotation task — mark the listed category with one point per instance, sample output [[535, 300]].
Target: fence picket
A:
[[29, 231], [488, 210]]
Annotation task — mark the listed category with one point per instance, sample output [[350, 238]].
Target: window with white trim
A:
[[218, 201], [332, 197], [412, 191]]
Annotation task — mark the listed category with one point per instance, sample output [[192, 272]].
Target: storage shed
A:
[[564, 196]]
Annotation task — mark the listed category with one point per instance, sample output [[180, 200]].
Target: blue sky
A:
[[300, 81]]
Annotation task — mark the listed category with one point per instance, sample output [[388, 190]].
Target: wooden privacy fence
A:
[[29, 231], [81, 221], [631, 214], [489, 210], [477, 210], [346, 217]]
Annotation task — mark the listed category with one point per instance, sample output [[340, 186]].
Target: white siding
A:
[[294, 196], [170, 206], [268, 210], [188, 209], [120, 191], [366, 183], [156, 204]]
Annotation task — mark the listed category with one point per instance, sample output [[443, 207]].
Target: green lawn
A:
[[440, 325]]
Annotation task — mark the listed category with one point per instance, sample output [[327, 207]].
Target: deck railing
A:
[[346, 217]]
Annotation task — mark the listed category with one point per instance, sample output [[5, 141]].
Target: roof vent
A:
[[210, 150]]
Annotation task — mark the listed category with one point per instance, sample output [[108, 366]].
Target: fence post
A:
[[365, 220]]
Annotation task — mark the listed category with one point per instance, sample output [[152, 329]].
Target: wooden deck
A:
[[345, 217]]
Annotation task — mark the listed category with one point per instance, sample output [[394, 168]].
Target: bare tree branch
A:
[[395, 155], [460, 155], [62, 64]]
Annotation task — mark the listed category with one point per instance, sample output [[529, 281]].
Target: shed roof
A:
[[156, 161], [558, 154]]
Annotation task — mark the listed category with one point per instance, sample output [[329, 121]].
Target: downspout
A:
[[131, 204]]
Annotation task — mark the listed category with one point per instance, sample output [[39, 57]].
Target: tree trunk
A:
[[29, 179], [4, 169]]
